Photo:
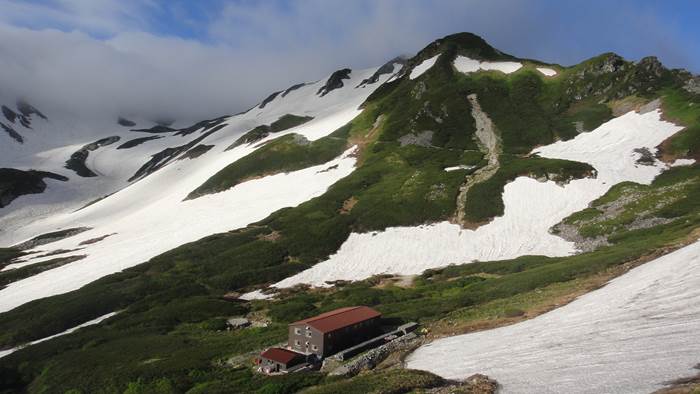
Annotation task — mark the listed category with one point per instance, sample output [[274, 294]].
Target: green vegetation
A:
[[684, 108], [387, 382], [13, 275], [283, 123], [7, 255], [285, 154], [168, 335], [673, 196]]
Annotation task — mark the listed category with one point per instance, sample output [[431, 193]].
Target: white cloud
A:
[[125, 62]]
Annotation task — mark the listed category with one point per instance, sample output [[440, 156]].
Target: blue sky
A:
[[226, 55]]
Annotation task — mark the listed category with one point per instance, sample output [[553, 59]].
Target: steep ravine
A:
[[490, 144]]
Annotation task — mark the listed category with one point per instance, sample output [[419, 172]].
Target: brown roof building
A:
[[333, 331], [280, 360]]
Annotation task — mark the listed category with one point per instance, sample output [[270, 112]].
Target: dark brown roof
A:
[[280, 355], [339, 318]]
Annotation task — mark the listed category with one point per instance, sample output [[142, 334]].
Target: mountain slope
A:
[[377, 160], [607, 341]]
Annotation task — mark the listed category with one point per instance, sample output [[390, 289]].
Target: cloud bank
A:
[[194, 60]]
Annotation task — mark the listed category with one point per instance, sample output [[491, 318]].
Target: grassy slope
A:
[[283, 123], [167, 336], [7, 255], [288, 153]]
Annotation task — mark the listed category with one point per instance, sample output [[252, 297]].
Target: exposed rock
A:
[[196, 152], [300, 140], [138, 141], [10, 115], [28, 110], [692, 85], [205, 125], [95, 240], [292, 88], [14, 134], [489, 143], [570, 232], [481, 384], [156, 129], [285, 122], [424, 138], [48, 238], [78, 158], [386, 68], [15, 183], [653, 105], [437, 191], [646, 158], [235, 323], [268, 99], [334, 82], [125, 122], [418, 90], [162, 158]]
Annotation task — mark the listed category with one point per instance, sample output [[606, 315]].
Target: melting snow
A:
[[683, 162], [459, 167], [531, 209], [423, 67], [149, 217], [147, 224], [255, 295], [468, 65], [640, 330], [547, 71], [92, 322]]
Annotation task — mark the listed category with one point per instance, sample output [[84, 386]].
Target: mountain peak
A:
[[465, 43]]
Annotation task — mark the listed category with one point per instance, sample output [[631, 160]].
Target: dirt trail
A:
[[490, 144]]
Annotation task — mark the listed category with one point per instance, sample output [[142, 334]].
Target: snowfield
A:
[[547, 71], [531, 209], [149, 217], [92, 322], [631, 336], [423, 67], [467, 65]]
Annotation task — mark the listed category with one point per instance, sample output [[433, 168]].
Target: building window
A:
[[297, 343], [297, 331], [314, 347], [308, 334]]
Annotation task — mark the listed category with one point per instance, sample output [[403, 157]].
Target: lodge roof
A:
[[280, 355], [339, 318]]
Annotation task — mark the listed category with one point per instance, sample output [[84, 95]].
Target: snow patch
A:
[[547, 71], [423, 67], [468, 65], [531, 209], [683, 162], [628, 337], [459, 167], [255, 295], [92, 322]]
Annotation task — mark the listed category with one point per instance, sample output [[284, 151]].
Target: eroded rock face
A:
[[692, 85]]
